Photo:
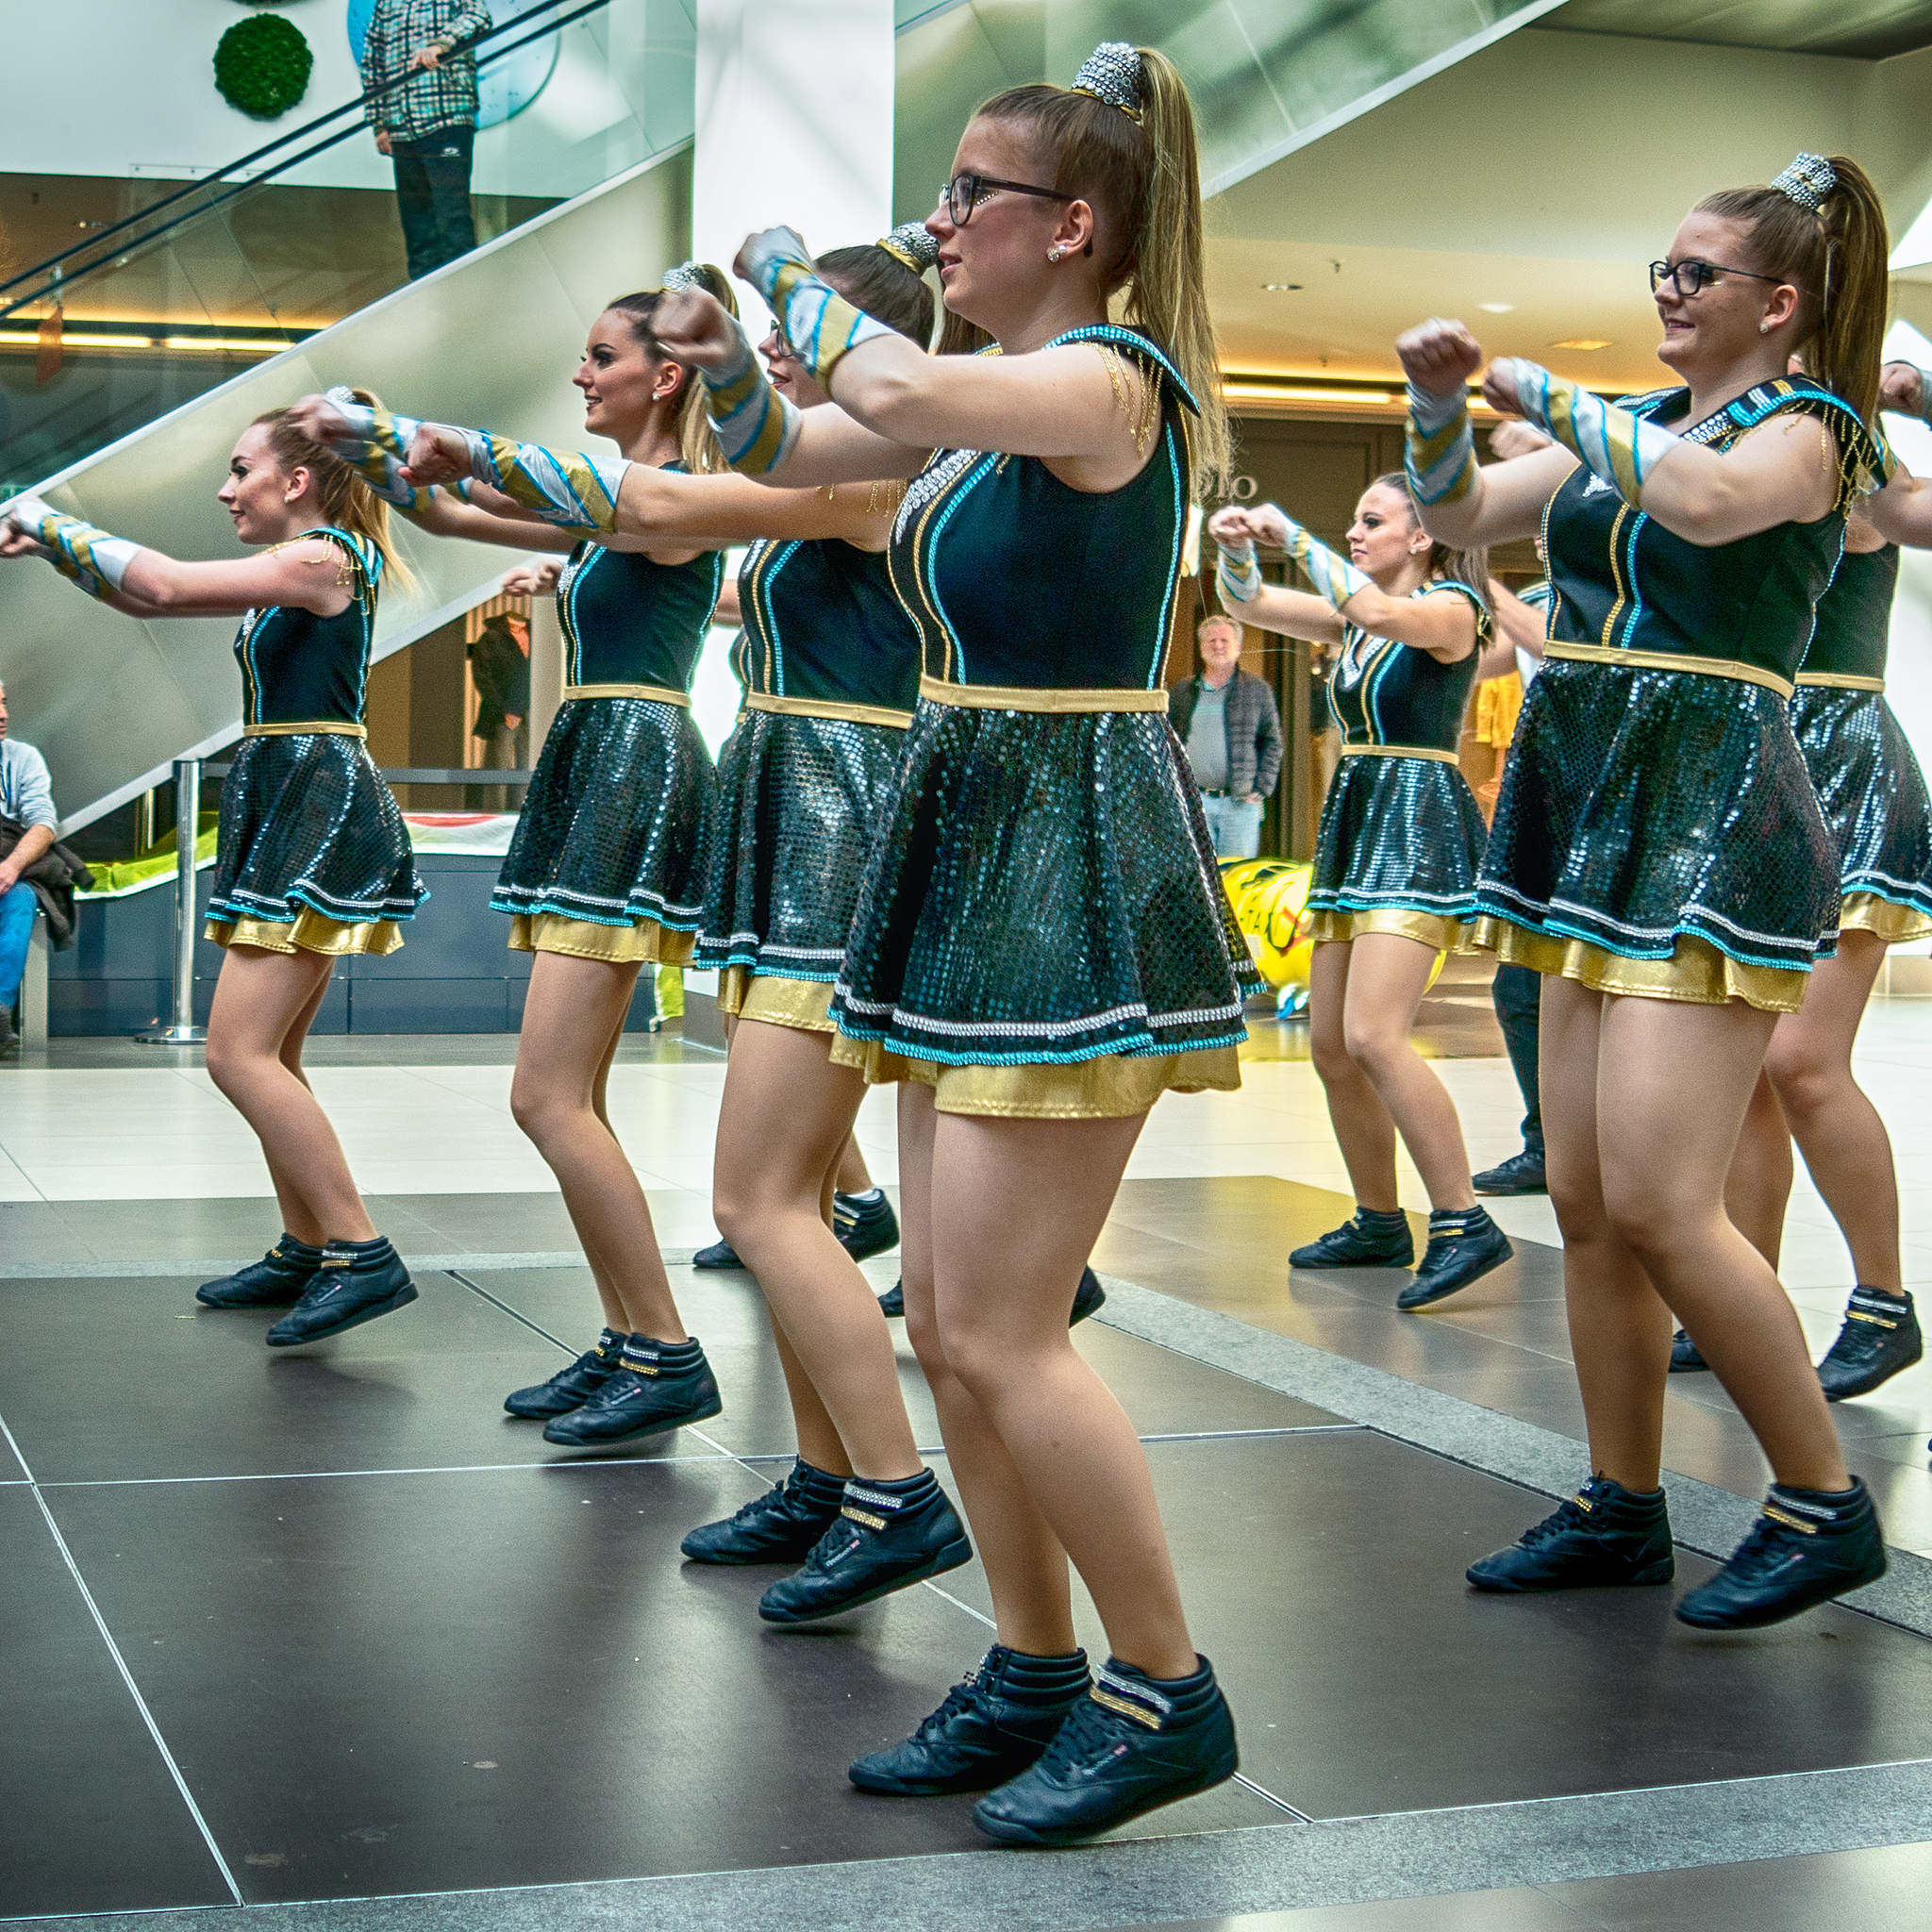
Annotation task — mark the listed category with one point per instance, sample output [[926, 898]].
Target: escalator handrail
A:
[[99, 236]]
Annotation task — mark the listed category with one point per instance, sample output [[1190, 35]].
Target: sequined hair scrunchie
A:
[[1113, 74], [1808, 181], [910, 244]]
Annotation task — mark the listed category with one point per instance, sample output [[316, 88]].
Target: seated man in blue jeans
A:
[[27, 799], [1229, 722]]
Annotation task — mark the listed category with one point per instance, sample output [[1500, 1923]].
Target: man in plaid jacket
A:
[[428, 125]]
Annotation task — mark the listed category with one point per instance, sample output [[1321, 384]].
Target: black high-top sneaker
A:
[[354, 1282], [1809, 1546], [1089, 1299], [1464, 1245], [569, 1388], [275, 1281], [1604, 1537], [1685, 1360], [657, 1386], [988, 1729], [865, 1224], [780, 1527], [1880, 1337], [1522, 1174], [1132, 1743], [886, 1537], [719, 1255], [1371, 1240]]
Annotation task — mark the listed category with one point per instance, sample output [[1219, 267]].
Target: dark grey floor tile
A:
[[1519, 1908], [89, 1819], [1163, 1392], [1367, 1678], [1882, 1891], [403, 1684], [419, 1389]]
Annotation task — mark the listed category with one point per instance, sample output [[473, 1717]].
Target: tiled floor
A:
[[327, 1627]]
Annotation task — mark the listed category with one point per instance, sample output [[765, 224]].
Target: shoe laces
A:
[[1768, 1545], [839, 1540], [970, 1696], [1566, 1517], [1090, 1736], [1867, 1333]]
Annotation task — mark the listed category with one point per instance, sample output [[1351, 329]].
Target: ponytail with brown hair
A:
[[1138, 167], [344, 500], [1470, 567], [1825, 233], [697, 442]]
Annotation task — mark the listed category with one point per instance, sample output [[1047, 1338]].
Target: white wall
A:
[[140, 97]]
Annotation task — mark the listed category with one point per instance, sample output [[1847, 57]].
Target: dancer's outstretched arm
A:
[[143, 582]]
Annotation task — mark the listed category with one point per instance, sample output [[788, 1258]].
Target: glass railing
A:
[[198, 281]]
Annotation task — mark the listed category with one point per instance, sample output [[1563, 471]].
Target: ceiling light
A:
[[1280, 287], [1583, 342], [73, 338], [1497, 307]]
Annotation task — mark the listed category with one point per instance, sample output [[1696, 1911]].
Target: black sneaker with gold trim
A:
[[1371, 1237], [277, 1280], [1809, 1546], [988, 1730], [658, 1386], [1879, 1338], [887, 1536], [1605, 1537], [865, 1224], [1132, 1743], [1089, 1299], [572, 1387], [354, 1282], [1685, 1358], [781, 1526]]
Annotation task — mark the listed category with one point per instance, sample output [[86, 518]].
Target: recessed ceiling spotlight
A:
[[1583, 342], [1497, 307], [1280, 287]]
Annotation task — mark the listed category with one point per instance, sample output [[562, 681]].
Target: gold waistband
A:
[[826, 708], [1841, 680], [655, 694], [326, 727], [1672, 660], [1399, 750], [1009, 697]]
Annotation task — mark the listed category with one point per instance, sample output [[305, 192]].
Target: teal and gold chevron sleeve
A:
[[1438, 451], [1332, 577], [755, 425], [91, 558], [575, 490], [1613, 443]]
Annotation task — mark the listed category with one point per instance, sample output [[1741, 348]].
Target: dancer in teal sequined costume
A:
[[1657, 851]]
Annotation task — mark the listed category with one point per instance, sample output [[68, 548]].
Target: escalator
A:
[[223, 297]]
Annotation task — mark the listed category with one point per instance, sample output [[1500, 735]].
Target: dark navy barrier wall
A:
[[454, 972]]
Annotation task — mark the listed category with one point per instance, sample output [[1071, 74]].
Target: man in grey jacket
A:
[[1229, 722], [27, 799]]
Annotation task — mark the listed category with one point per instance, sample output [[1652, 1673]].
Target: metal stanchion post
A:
[[186, 826]]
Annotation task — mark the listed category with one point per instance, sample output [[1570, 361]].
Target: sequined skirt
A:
[[1661, 817], [1875, 807], [800, 804], [307, 827], [615, 824], [1045, 895], [1400, 843]]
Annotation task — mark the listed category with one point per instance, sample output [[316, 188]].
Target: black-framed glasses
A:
[[964, 193], [1700, 274]]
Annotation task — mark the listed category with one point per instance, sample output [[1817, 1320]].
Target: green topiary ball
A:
[[263, 65]]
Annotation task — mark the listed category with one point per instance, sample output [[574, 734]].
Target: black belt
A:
[[1207, 793]]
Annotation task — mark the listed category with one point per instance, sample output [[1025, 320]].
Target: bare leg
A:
[[1025, 1567], [1362, 1126], [855, 1177], [1022, 1206], [574, 1010], [787, 1113], [286, 1193], [1664, 1154], [1758, 1187], [1388, 975], [259, 998], [1619, 1332], [1837, 1129]]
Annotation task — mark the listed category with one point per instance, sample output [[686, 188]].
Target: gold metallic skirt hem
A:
[[1112, 1087], [309, 932], [1893, 924], [805, 1004], [645, 943], [1697, 973], [1434, 929]]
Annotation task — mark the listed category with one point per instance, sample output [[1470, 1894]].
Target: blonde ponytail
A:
[[1140, 171], [1836, 256], [344, 500]]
